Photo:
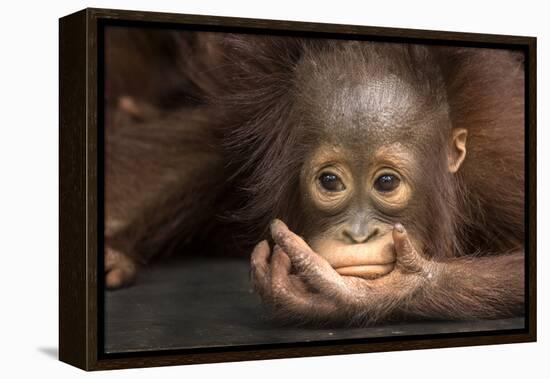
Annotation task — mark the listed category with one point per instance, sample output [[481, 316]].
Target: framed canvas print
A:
[[236, 189]]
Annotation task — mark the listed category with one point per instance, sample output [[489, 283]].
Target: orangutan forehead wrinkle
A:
[[371, 94], [384, 101], [380, 110]]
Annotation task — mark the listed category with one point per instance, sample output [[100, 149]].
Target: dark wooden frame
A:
[[81, 154]]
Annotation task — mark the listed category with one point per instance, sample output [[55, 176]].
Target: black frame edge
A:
[[328, 28], [73, 301], [531, 129]]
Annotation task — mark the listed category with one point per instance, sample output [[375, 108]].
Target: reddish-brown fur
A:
[[214, 150]]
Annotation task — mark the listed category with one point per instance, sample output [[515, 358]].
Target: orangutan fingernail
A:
[[261, 244], [399, 228], [277, 225]]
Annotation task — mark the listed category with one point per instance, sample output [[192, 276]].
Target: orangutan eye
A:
[[331, 182], [386, 183]]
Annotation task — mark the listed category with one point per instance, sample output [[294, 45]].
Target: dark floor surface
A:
[[209, 302]]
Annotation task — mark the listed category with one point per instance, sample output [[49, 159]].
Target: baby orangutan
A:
[[399, 165], [386, 157]]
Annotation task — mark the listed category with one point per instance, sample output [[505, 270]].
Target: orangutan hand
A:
[[298, 285]]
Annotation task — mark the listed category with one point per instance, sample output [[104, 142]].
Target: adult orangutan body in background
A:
[[400, 166]]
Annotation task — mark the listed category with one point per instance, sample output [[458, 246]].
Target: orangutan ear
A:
[[457, 152]]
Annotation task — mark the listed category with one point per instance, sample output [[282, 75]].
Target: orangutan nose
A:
[[359, 233]]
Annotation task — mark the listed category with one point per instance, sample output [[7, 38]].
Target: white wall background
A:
[[29, 206]]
